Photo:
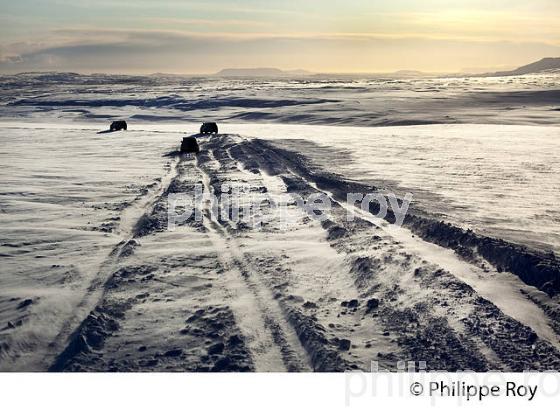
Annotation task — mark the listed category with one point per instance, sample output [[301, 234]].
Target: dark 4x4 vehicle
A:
[[118, 125], [209, 128], [190, 145]]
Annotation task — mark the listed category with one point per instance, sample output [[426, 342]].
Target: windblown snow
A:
[[92, 279]]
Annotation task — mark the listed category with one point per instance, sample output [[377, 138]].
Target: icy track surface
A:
[[92, 279]]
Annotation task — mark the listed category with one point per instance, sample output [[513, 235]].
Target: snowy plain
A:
[[70, 198]]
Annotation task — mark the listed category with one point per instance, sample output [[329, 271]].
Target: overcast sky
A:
[[146, 36]]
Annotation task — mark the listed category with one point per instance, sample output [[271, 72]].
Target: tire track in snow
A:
[[129, 218], [272, 340], [504, 291]]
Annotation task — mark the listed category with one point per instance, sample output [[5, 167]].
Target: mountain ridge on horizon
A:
[[546, 64], [259, 72]]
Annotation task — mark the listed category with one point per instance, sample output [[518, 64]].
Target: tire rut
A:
[[95, 290], [271, 336]]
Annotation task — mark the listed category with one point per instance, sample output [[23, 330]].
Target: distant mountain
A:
[[544, 65], [260, 72], [166, 75], [410, 73]]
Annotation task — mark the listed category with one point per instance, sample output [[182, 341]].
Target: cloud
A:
[[144, 51], [319, 35]]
